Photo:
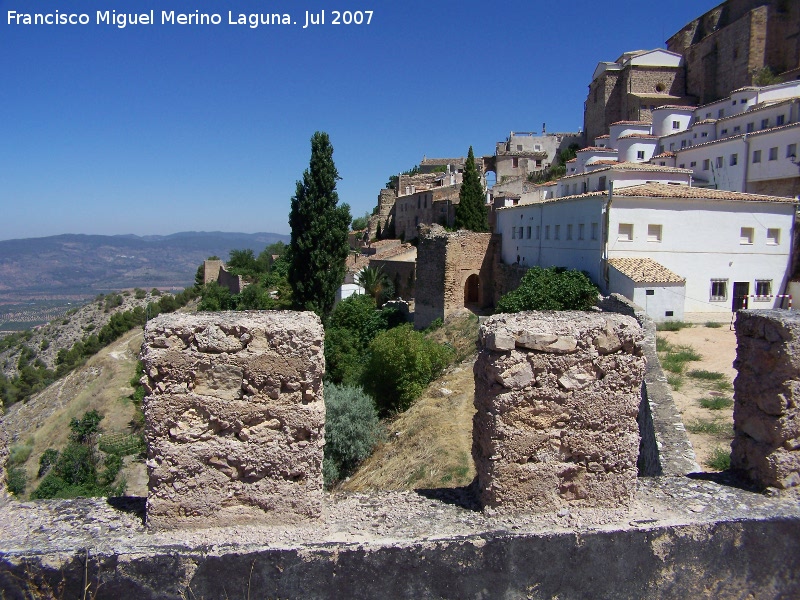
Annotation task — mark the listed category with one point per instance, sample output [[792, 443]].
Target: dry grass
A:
[[429, 445]]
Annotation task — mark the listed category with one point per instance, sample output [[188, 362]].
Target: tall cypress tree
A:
[[471, 210], [319, 247]]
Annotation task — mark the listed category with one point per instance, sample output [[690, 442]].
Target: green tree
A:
[[471, 210], [550, 289], [319, 245], [360, 223], [764, 76], [401, 363]]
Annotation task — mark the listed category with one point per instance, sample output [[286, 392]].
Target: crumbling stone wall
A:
[[766, 412], [3, 455], [445, 260], [234, 418], [557, 396]]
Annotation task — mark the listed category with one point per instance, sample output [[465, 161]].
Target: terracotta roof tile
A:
[[597, 149], [705, 122], [663, 190], [632, 123], [572, 160], [666, 155], [639, 136], [771, 129], [645, 270], [603, 137], [675, 107]]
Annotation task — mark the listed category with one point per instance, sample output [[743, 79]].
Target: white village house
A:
[[671, 248]]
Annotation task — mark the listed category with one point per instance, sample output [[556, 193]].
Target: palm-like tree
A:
[[375, 282]]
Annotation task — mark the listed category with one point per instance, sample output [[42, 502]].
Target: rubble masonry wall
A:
[[766, 412], [234, 418], [557, 397]]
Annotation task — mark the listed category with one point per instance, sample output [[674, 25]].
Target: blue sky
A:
[[155, 129]]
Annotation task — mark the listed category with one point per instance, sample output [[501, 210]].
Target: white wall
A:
[[666, 298], [731, 178], [663, 119], [780, 168], [629, 149], [701, 241]]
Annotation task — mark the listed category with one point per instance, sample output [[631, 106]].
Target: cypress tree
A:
[[471, 209], [318, 247]]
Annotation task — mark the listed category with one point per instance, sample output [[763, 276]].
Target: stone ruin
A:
[[557, 398], [234, 418], [766, 414]]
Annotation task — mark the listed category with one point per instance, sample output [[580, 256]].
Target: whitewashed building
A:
[[686, 249]]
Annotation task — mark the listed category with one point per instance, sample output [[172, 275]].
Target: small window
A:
[[706, 165], [737, 129], [763, 290], [601, 183], [654, 233], [764, 123], [676, 124], [569, 231], [581, 228], [693, 164], [773, 153], [704, 134], [780, 120], [791, 151], [756, 156], [649, 292], [594, 231], [750, 127], [547, 232], [669, 313], [708, 115], [746, 235], [682, 166], [557, 232], [625, 232], [724, 132], [521, 231], [519, 147], [773, 237], [719, 290], [514, 162], [683, 143], [537, 147], [538, 232], [640, 155], [734, 159], [671, 146], [719, 162], [721, 113], [513, 233], [528, 232]]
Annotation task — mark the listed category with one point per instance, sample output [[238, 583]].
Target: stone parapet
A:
[[234, 418], [557, 397], [766, 412]]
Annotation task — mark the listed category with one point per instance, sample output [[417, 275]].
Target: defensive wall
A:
[[677, 534]]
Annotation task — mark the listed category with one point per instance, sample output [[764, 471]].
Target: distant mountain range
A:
[[73, 265]]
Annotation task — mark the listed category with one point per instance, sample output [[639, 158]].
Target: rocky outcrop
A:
[[766, 412], [557, 397], [234, 418]]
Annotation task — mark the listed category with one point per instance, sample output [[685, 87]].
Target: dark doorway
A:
[[741, 291], [472, 290]]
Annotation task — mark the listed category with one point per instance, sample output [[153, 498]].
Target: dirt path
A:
[[708, 429]]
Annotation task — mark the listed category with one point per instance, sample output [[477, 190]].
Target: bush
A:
[[672, 326], [139, 293], [401, 363], [48, 458], [720, 459], [550, 289], [16, 480], [351, 430]]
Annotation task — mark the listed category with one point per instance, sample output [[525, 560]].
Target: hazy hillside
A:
[[83, 265]]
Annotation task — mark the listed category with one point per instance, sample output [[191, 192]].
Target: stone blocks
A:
[[766, 412], [234, 418], [557, 396]]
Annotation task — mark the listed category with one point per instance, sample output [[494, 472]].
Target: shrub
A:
[[706, 375], [401, 363], [550, 289], [48, 458], [351, 430], [139, 293], [16, 480], [716, 403], [715, 428], [713, 325], [719, 460], [672, 326]]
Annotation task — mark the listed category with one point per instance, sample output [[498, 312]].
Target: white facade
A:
[[717, 241], [637, 147]]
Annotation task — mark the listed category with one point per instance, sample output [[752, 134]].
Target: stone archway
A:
[[472, 290]]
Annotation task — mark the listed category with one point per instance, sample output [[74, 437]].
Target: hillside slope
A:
[[101, 384]]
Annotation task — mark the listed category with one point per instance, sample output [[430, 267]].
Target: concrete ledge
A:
[[683, 538]]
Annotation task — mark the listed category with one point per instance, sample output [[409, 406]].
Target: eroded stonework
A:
[[766, 412], [557, 396], [234, 418]]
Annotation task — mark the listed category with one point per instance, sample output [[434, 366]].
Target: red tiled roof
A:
[[663, 190], [640, 136], [597, 149], [632, 123], [645, 270]]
